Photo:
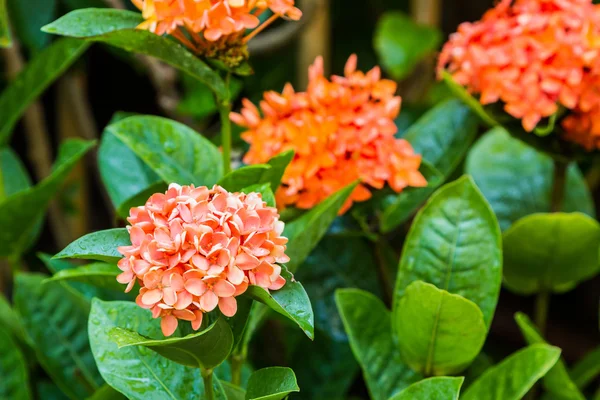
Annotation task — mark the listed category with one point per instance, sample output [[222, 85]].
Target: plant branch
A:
[[207, 377], [224, 111]]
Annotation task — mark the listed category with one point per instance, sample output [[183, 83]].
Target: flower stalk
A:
[[224, 111], [207, 377]]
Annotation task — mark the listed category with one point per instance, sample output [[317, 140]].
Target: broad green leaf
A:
[[405, 203], [5, 39], [513, 377], [123, 173], [141, 198], [55, 319], [236, 180], [20, 213], [206, 349], [304, 233], [117, 28], [14, 384], [13, 175], [176, 153], [443, 135], [278, 164], [556, 381], [453, 242], [438, 333], [401, 43], [101, 275], [39, 73], [26, 24], [10, 320], [239, 321], [99, 246], [368, 324], [274, 383], [440, 388], [517, 179], [106, 392], [291, 301], [265, 190], [462, 93], [550, 252], [233, 392], [587, 369]]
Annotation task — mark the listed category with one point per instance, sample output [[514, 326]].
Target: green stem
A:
[[207, 377], [558, 186], [224, 111], [237, 360], [542, 304], [385, 279]]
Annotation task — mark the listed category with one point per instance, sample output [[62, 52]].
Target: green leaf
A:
[[117, 28], [513, 377], [291, 301], [550, 252], [438, 333], [274, 383], [401, 43], [5, 39], [443, 135], [453, 242], [233, 392], [27, 24], [20, 213], [106, 393], [39, 73], [406, 202], [13, 175], [304, 233], [140, 199], [440, 388], [55, 320], [587, 369], [101, 275], [473, 103], [368, 324], [13, 369], [10, 320], [243, 177], [206, 349], [137, 372], [265, 190], [517, 179], [99, 246], [173, 151], [556, 381]]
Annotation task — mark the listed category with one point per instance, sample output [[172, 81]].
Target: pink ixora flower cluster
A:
[[194, 249]]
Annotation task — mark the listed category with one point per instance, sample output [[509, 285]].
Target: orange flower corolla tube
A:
[[531, 55], [341, 129], [195, 249]]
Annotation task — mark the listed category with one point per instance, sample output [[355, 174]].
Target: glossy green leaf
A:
[[117, 28], [290, 301], [587, 369], [304, 233], [443, 135], [99, 246], [5, 39], [10, 320], [453, 242], [106, 392], [557, 381], [101, 275], [265, 191], [278, 164], [440, 388], [233, 392], [13, 175], [474, 104], [438, 333], [517, 179], [138, 372], [368, 324], [274, 383], [14, 384], [404, 204], [26, 24], [550, 252], [243, 177], [173, 151], [20, 213], [55, 318], [206, 349], [513, 377], [39, 73], [401, 43]]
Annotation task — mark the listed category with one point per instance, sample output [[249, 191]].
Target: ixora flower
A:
[[195, 249], [534, 56], [341, 129], [211, 27]]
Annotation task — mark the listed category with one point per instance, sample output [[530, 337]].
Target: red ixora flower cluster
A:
[[341, 129], [194, 249], [533, 55]]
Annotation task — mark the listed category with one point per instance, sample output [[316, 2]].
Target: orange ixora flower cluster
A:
[[193, 249], [533, 55], [341, 129], [208, 25]]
